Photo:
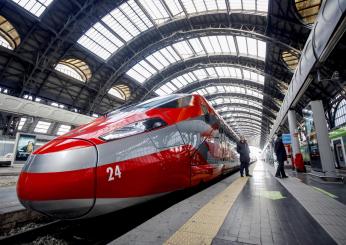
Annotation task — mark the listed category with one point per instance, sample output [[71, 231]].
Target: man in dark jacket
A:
[[281, 156], [244, 152]]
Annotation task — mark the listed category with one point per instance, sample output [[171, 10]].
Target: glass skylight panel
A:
[[197, 46], [42, 127], [21, 123], [36, 7], [94, 47], [171, 86], [127, 21], [189, 77], [211, 90], [100, 41], [252, 46], [235, 4], [160, 92], [207, 44], [141, 71], [174, 7], [262, 5], [216, 45], [170, 54], [183, 49], [166, 89], [262, 48], [249, 4], [116, 93], [200, 74], [5, 43], [156, 10], [69, 71], [242, 47], [63, 129]]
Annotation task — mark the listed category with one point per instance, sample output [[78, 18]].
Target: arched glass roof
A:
[[208, 73], [75, 68], [133, 17], [120, 91], [9, 37], [308, 9], [209, 90], [35, 7], [195, 47]]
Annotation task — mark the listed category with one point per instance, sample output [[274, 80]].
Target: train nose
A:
[[59, 179]]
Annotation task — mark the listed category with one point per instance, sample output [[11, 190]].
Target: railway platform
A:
[[257, 210]]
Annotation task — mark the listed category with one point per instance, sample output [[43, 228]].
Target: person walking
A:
[[281, 156], [244, 152]]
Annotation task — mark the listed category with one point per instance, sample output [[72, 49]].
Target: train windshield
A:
[[157, 102]]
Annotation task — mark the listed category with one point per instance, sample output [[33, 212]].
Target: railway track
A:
[[103, 229]]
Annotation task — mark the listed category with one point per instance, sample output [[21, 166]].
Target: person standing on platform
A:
[[244, 152], [281, 156]]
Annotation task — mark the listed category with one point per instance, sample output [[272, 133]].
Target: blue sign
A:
[[286, 138]]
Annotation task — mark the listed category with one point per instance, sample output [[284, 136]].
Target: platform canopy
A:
[[96, 55]]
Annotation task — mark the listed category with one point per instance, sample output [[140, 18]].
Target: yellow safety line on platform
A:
[[204, 225]]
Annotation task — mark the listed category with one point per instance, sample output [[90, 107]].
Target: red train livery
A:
[[128, 156]]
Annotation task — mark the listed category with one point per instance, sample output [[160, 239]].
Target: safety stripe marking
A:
[[325, 192], [204, 225]]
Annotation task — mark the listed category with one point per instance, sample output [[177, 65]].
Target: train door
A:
[[339, 153]]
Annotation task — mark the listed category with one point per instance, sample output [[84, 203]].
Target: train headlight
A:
[[134, 128]]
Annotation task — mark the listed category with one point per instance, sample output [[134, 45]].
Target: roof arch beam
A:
[[263, 110], [241, 113], [181, 68], [240, 95], [246, 119]]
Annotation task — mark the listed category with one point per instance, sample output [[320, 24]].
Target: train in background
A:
[[128, 156]]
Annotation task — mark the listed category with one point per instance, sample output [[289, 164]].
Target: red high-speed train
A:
[[128, 156]]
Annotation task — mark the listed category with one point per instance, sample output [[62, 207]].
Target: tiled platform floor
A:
[[267, 211]]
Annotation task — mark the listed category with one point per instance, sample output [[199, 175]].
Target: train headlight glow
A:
[[134, 128]]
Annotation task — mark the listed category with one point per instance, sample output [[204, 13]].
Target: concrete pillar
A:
[[292, 123], [323, 141]]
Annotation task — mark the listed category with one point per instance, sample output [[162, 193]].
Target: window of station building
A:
[[74, 68], [291, 59], [133, 17], [57, 105], [308, 10], [9, 37], [4, 90], [340, 114], [28, 97], [42, 127], [120, 91], [35, 7], [63, 129], [21, 123]]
